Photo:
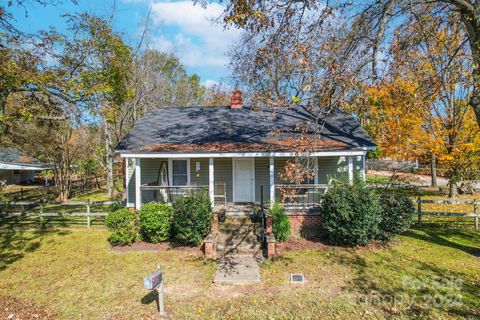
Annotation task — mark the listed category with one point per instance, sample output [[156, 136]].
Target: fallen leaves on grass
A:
[[142, 246], [13, 308]]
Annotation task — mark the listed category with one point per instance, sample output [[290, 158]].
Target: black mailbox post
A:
[[154, 281]]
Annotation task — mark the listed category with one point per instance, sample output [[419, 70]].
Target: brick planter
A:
[[271, 245], [268, 223], [208, 248]]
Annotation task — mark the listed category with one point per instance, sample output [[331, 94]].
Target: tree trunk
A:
[[433, 169], [3, 102], [475, 101], [108, 147], [473, 30], [62, 182], [453, 190]]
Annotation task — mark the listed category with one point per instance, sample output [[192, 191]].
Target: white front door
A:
[[243, 180]]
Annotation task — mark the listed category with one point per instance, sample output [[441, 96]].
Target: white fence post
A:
[[419, 201], [41, 214], [88, 213], [475, 218]]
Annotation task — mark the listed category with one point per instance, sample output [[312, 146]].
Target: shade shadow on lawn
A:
[[16, 242], [439, 236], [396, 279]]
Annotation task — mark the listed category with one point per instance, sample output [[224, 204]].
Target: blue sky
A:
[[178, 27]]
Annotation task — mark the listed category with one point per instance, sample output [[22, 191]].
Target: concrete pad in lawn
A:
[[237, 270]]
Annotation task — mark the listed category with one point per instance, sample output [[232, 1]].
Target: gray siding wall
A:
[[149, 174], [262, 177], [328, 168], [337, 167], [279, 166], [199, 177], [358, 165], [223, 173], [331, 168]]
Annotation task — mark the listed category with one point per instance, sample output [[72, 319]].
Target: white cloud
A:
[[210, 83], [199, 42]]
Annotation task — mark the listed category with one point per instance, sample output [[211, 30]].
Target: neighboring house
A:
[[18, 168], [236, 152]]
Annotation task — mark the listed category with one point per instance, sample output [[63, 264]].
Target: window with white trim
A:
[[179, 172]]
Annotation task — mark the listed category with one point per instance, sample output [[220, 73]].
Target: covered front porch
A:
[[234, 178]]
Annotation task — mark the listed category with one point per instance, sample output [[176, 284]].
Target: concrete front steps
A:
[[238, 250], [240, 210], [237, 239], [238, 236]]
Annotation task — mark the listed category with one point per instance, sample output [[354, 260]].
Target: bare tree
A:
[[370, 26]]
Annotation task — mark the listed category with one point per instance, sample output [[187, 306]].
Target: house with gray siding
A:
[[238, 153]]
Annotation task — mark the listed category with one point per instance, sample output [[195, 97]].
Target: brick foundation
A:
[[214, 223], [304, 224]]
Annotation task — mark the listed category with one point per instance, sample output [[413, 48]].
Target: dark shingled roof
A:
[[222, 129], [14, 155]]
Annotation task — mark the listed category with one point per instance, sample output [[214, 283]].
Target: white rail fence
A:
[[421, 213], [43, 209]]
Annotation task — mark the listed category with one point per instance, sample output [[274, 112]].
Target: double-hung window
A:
[[179, 172]]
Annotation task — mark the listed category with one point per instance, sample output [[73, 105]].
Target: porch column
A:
[[315, 166], [271, 168], [350, 170], [211, 181], [364, 167], [138, 182], [127, 161]]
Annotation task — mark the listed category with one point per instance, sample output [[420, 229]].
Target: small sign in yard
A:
[[154, 281], [297, 278]]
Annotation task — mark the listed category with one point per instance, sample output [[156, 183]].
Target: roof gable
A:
[[14, 155]]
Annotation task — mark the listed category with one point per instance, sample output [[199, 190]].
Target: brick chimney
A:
[[236, 100]]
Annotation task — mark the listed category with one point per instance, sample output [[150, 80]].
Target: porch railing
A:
[[299, 195], [169, 194]]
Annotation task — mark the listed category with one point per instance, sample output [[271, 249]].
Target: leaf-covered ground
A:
[[432, 273]]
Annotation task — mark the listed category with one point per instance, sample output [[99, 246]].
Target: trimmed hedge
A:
[[123, 225], [280, 223], [192, 218], [350, 213], [397, 212], [155, 222]]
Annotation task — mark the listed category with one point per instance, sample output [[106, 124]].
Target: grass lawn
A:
[[40, 193], [74, 273]]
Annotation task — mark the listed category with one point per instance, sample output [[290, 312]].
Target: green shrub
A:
[[123, 225], [116, 206], [350, 213], [155, 222], [192, 218], [280, 223], [397, 211]]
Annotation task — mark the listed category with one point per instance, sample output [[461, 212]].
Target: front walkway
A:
[[238, 248], [238, 270]]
